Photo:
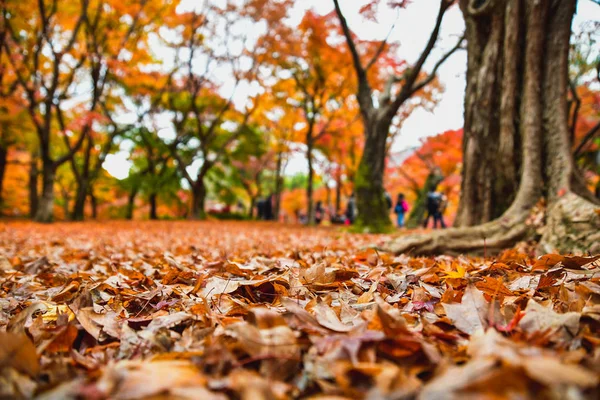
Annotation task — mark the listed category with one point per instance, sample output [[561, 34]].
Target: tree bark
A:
[[310, 183], [44, 211], [94, 205], [33, 186], [152, 200], [373, 213], [540, 136], [131, 203], [198, 200], [3, 160], [78, 213], [491, 103]]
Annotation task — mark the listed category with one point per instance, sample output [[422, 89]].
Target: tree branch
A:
[[437, 66], [380, 49], [588, 136], [413, 73], [364, 89], [575, 116]]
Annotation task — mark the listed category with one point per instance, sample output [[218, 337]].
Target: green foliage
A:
[[300, 181]]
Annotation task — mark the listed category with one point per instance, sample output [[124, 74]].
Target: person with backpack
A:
[[400, 210], [435, 202], [351, 210], [319, 212]]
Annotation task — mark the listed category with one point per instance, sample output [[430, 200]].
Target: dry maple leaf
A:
[[471, 315]]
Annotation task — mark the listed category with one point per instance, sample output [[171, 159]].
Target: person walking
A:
[[319, 212], [400, 210], [351, 210], [435, 202]]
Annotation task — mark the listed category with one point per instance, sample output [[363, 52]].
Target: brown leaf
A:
[[471, 315], [329, 319], [550, 371], [17, 351], [539, 318], [493, 287]]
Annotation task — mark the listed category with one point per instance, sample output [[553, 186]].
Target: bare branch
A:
[[381, 48], [437, 66], [577, 101], [586, 139], [413, 73], [364, 89]]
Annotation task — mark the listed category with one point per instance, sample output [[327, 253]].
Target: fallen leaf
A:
[[471, 315], [17, 351]]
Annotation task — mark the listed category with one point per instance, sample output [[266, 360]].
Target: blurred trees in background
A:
[[207, 102]]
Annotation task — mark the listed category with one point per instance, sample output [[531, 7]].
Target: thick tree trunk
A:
[[152, 200], [540, 53], [489, 180], [33, 186], [373, 213], [131, 203], [94, 205], [3, 160], [81, 195], [44, 211], [198, 200]]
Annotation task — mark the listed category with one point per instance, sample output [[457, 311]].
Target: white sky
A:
[[412, 29]]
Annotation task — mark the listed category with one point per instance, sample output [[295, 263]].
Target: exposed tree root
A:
[[487, 238], [572, 226]]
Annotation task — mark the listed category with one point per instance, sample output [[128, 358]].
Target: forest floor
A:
[[188, 310]]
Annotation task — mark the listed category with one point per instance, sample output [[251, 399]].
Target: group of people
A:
[[434, 210], [435, 206]]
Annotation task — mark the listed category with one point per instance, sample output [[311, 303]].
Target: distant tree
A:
[[378, 114]]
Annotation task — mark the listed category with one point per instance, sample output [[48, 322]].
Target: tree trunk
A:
[[252, 206], [489, 179], [44, 211], [152, 199], [538, 113], [338, 192], [33, 186], [94, 204], [131, 203], [278, 184], [3, 160], [373, 213], [66, 201], [198, 200], [81, 195], [310, 183]]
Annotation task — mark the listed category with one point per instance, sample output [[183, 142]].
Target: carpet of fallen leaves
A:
[[257, 311]]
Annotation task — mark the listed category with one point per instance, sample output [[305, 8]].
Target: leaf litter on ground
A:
[[209, 310]]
